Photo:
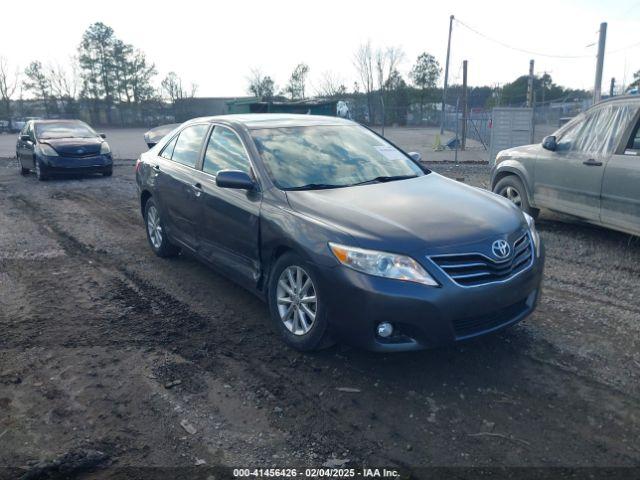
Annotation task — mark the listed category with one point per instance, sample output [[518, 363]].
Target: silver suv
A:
[[589, 168]]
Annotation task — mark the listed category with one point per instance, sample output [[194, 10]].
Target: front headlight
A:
[[104, 148], [46, 150], [534, 233], [382, 264]]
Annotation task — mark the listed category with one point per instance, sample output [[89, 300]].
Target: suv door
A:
[[229, 230], [176, 184], [621, 183], [569, 179]]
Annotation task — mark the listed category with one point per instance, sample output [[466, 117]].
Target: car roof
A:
[[619, 98], [57, 121], [275, 120]]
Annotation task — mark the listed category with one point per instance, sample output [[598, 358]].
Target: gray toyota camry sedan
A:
[[345, 236]]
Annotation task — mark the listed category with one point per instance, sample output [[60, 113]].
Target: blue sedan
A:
[[62, 146]]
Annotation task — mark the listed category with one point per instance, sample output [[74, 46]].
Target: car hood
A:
[[521, 151], [429, 213], [74, 146]]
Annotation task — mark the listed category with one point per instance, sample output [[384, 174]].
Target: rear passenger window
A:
[[167, 151], [225, 152], [187, 148]]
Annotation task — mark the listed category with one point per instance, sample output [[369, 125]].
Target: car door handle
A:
[[156, 167], [592, 163], [197, 189]]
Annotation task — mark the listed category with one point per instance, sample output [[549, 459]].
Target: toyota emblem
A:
[[501, 249]]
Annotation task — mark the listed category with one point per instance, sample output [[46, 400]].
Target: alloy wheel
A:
[[153, 227], [512, 194], [296, 300]]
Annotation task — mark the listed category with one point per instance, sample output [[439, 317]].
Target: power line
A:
[[523, 50], [540, 54]]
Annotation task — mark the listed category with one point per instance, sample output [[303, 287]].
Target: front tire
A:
[[512, 188], [40, 173], [156, 233], [295, 304], [108, 172]]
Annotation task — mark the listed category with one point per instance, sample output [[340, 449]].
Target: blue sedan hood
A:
[[430, 213], [74, 147]]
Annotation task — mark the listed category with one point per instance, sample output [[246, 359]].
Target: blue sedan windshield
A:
[[328, 156], [64, 130]]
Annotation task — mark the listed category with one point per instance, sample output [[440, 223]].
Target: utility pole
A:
[[465, 109], [612, 87], [597, 88], [446, 77], [530, 85]]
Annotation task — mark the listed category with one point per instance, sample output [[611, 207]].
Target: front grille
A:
[[470, 326], [77, 155], [474, 269]]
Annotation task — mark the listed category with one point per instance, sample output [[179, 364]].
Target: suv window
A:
[[634, 141], [225, 152], [600, 131], [187, 148]]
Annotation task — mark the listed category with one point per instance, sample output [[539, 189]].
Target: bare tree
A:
[[260, 86], [297, 82], [331, 86], [363, 63], [171, 85], [64, 83], [387, 62], [8, 85]]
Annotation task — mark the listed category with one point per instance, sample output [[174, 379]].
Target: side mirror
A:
[[415, 156], [234, 179], [103, 135], [151, 144], [549, 143], [25, 138]]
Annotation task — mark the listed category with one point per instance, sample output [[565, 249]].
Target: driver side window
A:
[[568, 137], [225, 151], [600, 131]]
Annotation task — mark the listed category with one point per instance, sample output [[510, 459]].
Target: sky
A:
[[216, 44]]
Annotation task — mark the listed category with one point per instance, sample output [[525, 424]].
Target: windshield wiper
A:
[[385, 178], [315, 186]]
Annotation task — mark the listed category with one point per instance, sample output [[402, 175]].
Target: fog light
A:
[[385, 329]]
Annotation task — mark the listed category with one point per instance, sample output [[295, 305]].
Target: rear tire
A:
[[512, 188], [21, 169], [156, 233], [295, 304]]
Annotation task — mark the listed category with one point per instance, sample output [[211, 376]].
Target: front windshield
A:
[[64, 130], [329, 156]]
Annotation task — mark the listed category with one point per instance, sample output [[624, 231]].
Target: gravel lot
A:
[[111, 357]]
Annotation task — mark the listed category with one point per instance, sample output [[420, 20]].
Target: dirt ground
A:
[[111, 357]]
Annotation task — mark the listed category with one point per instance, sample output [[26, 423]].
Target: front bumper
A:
[[423, 316], [79, 165]]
